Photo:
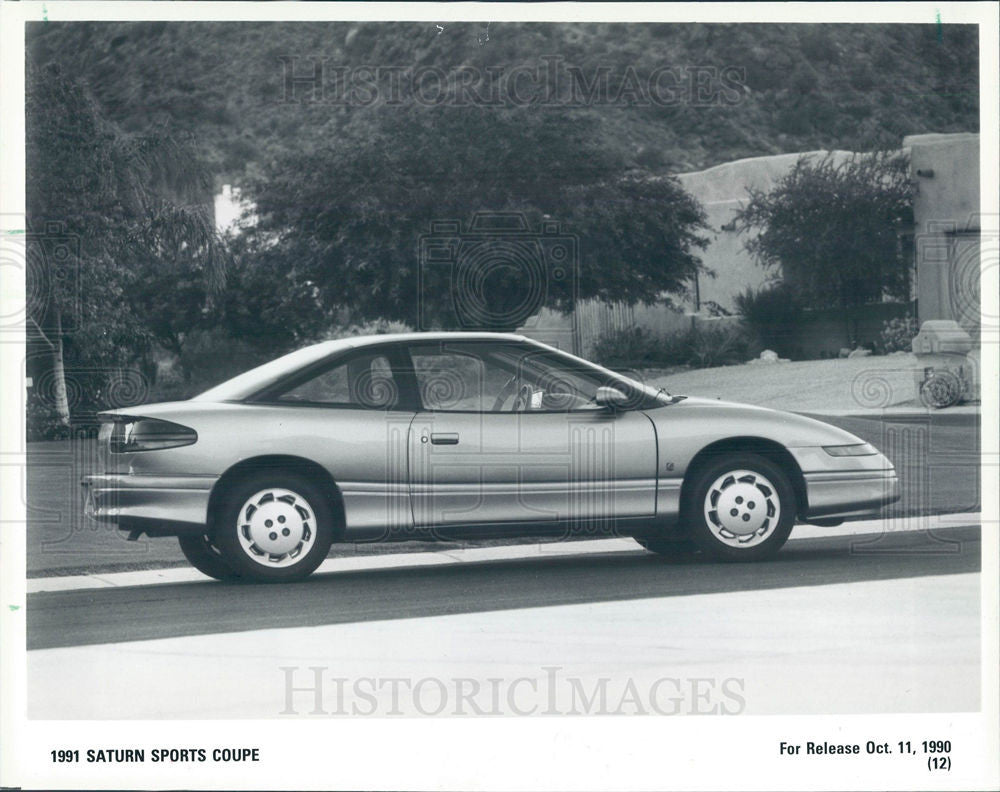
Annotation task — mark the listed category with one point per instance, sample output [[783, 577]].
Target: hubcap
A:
[[276, 527], [742, 508]]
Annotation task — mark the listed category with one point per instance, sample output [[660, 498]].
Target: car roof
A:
[[356, 341]]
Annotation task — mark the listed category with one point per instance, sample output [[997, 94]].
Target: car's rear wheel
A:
[[741, 508], [274, 527], [204, 556]]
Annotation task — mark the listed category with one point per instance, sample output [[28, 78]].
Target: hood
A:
[[724, 418]]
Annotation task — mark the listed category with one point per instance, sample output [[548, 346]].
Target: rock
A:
[[769, 356], [860, 352]]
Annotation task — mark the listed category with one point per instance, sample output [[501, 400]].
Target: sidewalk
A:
[[858, 387]]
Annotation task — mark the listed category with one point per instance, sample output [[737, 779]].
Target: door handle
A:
[[444, 438]]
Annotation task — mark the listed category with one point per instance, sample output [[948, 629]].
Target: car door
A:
[[479, 456]]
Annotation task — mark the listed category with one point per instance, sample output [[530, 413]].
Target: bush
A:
[[42, 421], [88, 392], [774, 314], [373, 327], [897, 335], [633, 347], [716, 346], [637, 347], [208, 358], [833, 229]]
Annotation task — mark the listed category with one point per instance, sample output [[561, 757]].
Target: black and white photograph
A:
[[464, 396]]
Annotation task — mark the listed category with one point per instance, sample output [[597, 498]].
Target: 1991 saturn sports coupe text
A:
[[447, 435]]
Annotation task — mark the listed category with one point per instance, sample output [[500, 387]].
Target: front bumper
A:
[[845, 486], [842, 494], [155, 504]]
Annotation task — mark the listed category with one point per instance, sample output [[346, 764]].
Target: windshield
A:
[[660, 395]]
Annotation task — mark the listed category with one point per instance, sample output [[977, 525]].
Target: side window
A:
[[559, 385], [482, 377], [451, 379], [364, 381]]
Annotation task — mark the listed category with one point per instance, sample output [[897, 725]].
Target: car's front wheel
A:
[[671, 547], [740, 508], [274, 527]]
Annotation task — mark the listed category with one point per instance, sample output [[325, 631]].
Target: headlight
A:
[[860, 449], [146, 434]]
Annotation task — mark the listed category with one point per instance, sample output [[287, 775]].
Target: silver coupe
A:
[[465, 435]]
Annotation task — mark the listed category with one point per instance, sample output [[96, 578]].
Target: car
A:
[[461, 436]]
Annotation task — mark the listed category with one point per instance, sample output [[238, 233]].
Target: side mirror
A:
[[610, 398]]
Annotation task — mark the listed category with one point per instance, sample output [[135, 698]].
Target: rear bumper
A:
[[850, 493], [155, 504]]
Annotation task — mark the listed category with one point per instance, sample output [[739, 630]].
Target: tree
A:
[[347, 215], [835, 230], [799, 87], [113, 227]]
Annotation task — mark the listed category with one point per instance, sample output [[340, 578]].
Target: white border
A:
[[564, 753]]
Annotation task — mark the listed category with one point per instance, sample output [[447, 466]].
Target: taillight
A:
[[127, 435]]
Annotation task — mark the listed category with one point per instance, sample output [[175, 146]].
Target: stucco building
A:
[[947, 241], [948, 228]]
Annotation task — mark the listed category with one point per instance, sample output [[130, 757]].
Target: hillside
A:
[[785, 88]]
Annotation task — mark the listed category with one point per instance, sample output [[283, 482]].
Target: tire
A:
[[206, 557], [274, 527], [757, 511], [673, 548]]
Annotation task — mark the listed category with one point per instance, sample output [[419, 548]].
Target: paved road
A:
[[95, 616], [937, 458]]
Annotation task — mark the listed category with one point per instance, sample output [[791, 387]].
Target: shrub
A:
[[373, 327], [773, 314], [708, 347], [897, 335], [637, 347], [42, 421], [833, 229], [633, 347], [208, 358]]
